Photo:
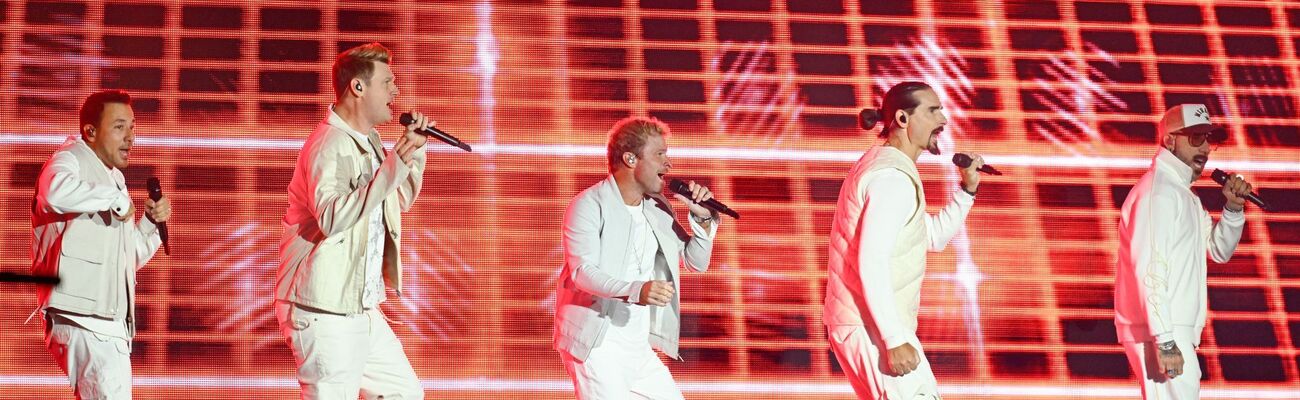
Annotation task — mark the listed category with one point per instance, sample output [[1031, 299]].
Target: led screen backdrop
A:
[[762, 97]]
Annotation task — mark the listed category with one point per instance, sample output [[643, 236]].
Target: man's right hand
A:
[[656, 293], [903, 359], [1170, 361]]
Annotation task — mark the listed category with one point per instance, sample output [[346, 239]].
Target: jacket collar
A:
[[79, 145], [334, 120], [612, 197], [1167, 160]]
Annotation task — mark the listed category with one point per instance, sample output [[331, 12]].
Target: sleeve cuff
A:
[[1164, 337], [699, 230], [147, 227], [963, 196], [122, 205], [893, 341], [635, 296], [1234, 217]]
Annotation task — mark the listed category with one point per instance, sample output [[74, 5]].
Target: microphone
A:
[[962, 160], [1222, 178], [155, 194], [407, 119], [680, 188]]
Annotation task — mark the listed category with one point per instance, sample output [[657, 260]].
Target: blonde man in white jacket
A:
[[341, 247], [1165, 234], [617, 300], [878, 243], [85, 232]]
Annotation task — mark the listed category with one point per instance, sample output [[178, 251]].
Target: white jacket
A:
[[1164, 234], [596, 281], [878, 245], [76, 237]]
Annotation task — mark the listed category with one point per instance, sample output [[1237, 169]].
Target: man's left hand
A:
[[158, 211], [970, 176], [411, 141]]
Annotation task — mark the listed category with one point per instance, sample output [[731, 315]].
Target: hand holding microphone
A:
[[699, 199], [416, 123], [970, 171], [964, 161], [1237, 191]]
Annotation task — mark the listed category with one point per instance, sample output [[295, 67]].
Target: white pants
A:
[[340, 356], [98, 366], [1155, 384], [859, 356], [614, 373]]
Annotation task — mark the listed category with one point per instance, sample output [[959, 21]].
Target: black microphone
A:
[[155, 194], [407, 119], [680, 188], [1222, 178], [962, 160]]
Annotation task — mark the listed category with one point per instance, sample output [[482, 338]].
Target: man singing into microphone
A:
[[342, 245], [85, 232], [1164, 234], [878, 242], [617, 297]]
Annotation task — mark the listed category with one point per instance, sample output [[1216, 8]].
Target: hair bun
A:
[[868, 117]]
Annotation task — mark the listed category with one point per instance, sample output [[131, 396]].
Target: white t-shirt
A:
[[373, 293], [640, 262]]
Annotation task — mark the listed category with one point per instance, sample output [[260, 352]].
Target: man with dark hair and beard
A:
[[1164, 234], [877, 249]]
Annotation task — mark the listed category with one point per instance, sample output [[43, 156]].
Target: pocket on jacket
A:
[[84, 244], [81, 278]]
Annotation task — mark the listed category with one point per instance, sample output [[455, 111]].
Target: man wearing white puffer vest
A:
[[878, 246]]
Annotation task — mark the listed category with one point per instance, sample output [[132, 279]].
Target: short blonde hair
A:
[[357, 62], [630, 135]]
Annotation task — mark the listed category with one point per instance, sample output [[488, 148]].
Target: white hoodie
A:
[[1164, 236]]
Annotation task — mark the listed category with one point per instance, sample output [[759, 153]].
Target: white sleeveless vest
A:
[[845, 303]]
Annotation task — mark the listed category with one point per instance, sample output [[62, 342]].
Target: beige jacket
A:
[[331, 195], [76, 237]]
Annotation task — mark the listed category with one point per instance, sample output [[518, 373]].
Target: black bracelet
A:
[[972, 194]]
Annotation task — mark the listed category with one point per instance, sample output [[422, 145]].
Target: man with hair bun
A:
[[878, 245]]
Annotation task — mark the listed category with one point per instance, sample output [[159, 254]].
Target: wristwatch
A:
[[1166, 346], [702, 220]]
